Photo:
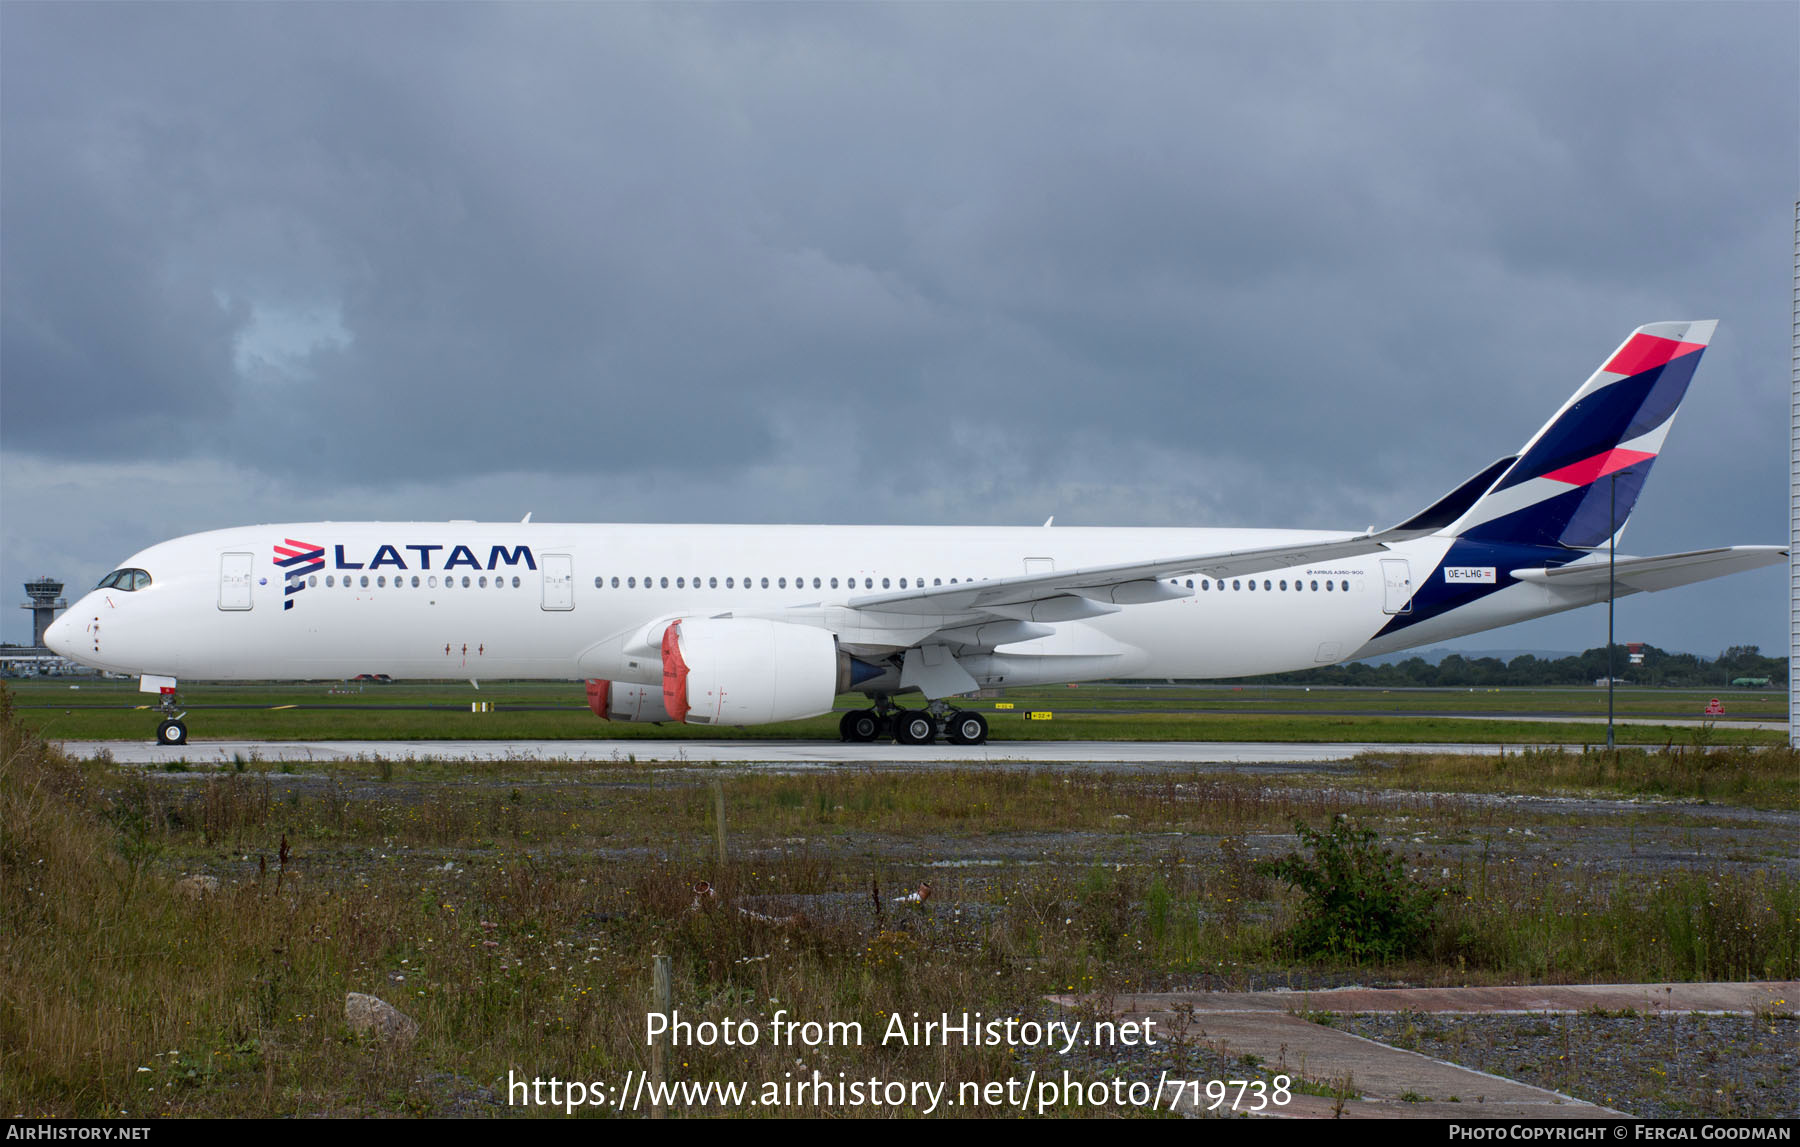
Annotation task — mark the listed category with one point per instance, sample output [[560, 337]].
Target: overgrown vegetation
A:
[[513, 909], [1360, 903], [1766, 776]]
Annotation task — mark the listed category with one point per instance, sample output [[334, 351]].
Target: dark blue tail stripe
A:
[[1618, 413], [1604, 506], [1582, 516]]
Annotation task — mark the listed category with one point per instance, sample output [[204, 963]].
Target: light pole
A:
[[1612, 553]]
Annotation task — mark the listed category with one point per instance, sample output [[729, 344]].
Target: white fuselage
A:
[[490, 601]]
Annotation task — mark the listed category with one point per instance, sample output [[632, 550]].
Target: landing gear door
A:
[[1397, 591], [234, 580], [559, 581]]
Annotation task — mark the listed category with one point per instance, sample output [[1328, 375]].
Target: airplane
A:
[[731, 625]]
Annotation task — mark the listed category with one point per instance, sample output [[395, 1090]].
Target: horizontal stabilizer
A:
[[1645, 575]]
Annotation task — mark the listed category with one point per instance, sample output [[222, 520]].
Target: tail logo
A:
[[1612, 428]]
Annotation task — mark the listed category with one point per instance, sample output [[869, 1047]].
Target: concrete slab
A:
[[1532, 999], [1376, 1071], [1270, 1026]]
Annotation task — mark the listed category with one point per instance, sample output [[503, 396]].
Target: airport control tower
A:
[[46, 601]]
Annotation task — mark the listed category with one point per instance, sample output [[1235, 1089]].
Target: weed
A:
[[1360, 905]]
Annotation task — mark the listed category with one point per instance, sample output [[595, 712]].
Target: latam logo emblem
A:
[[298, 559]]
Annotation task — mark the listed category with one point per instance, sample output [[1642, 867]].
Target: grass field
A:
[[557, 710], [512, 910]]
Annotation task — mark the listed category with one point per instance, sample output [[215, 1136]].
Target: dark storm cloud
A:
[[1272, 264]]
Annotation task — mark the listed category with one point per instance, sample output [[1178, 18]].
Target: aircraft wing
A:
[[1077, 592], [1665, 571]]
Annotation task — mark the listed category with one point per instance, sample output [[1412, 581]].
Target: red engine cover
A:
[[599, 693], [675, 674]]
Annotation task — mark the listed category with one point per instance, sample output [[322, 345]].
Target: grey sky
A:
[[1186, 264]]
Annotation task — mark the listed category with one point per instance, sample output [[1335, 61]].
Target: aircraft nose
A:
[[61, 635]]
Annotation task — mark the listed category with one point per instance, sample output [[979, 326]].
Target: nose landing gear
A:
[[172, 731]]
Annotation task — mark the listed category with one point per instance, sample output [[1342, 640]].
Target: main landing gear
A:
[[913, 726]]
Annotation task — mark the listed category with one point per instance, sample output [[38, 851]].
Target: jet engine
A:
[[752, 671], [625, 701]]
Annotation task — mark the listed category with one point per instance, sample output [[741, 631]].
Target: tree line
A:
[[1660, 668]]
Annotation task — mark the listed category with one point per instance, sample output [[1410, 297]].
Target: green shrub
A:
[[1360, 905]]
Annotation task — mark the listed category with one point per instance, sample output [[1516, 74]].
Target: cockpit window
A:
[[127, 580]]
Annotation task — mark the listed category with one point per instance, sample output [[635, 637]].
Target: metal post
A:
[[1794, 508], [1612, 551]]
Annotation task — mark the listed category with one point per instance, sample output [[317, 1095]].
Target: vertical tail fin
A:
[[1612, 428]]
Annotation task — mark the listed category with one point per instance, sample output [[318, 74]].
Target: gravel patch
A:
[[1652, 1066]]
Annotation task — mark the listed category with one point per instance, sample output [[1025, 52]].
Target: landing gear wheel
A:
[[966, 728], [915, 728], [860, 726], [171, 733]]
